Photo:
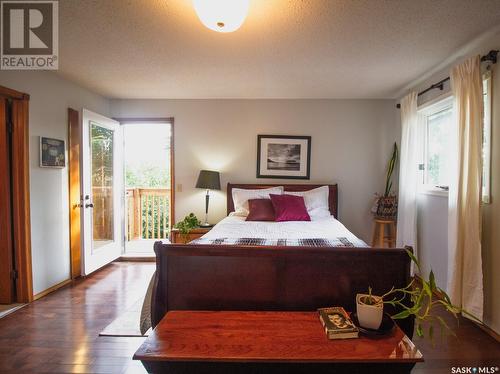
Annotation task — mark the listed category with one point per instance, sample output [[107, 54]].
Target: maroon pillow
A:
[[260, 210], [289, 208]]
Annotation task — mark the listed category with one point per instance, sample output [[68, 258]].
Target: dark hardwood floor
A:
[[469, 347], [59, 333]]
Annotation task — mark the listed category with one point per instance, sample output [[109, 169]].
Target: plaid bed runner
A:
[[332, 242]]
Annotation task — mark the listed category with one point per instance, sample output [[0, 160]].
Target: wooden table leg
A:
[[392, 228], [374, 234], [381, 235]]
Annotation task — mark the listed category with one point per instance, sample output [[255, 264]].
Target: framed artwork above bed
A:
[[283, 156]]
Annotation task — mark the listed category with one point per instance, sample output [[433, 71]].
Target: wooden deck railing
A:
[[147, 213], [102, 198]]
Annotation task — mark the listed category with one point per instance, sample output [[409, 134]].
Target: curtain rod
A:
[[491, 56]]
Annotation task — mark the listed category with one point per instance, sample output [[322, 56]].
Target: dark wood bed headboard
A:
[[332, 196]]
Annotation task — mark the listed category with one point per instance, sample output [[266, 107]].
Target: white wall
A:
[[351, 144], [432, 230], [432, 236], [50, 98]]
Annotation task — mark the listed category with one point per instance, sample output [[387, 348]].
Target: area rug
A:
[[5, 310], [127, 324]]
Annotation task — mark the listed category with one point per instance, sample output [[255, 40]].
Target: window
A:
[[436, 133], [436, 124], [486, 136]]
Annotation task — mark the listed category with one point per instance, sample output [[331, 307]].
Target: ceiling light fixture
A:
[[222, 15]]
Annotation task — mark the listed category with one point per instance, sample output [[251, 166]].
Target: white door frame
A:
[[92, 258]]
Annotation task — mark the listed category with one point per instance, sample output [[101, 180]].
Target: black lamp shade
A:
[[209, 180]]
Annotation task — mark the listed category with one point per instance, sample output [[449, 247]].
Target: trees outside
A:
[[147, 174]]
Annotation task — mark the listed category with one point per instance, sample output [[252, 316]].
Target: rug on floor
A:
[[127, 324], [5, 310]]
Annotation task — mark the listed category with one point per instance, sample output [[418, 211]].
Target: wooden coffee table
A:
[[256, 342]]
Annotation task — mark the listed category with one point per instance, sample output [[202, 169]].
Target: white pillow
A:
[[241, 197], [316, 201]]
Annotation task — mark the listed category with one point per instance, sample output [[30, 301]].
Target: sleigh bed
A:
[[236, 275]]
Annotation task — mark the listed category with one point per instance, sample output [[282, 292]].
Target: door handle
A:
[[89, 205]]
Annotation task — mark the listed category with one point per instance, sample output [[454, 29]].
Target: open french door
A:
[[102, 184]]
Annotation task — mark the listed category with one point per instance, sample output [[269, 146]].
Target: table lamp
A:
[[209, 180]]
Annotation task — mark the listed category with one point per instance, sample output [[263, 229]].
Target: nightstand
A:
[[177, 238], [381, 226]]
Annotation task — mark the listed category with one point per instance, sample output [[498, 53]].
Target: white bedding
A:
[[326, 228]]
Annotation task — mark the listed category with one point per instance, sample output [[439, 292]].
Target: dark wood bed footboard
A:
[[205, 277]]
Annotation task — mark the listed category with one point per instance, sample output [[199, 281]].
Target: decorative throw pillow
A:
[[316, 202], [289, 208], [260, 210], [241, 197]]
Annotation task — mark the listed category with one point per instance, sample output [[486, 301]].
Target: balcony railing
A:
[[147, 213]]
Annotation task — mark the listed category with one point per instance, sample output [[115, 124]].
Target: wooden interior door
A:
[[7, 295], [15, 221], [75, 195], [21, 221]]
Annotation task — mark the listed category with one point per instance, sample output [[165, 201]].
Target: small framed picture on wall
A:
[[52, 153], [283, 156]]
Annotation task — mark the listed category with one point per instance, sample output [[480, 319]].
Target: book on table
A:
[[337, 323]]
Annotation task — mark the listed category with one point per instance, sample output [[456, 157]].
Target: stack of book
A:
[[337, 323]]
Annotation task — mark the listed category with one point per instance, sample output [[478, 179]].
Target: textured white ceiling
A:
[[285, 49]]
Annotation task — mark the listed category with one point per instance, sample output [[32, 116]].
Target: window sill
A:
[[433, 191]]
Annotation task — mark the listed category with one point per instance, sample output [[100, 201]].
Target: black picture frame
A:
[[295, 161], [52, 153]]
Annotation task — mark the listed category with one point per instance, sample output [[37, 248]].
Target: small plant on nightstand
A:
[[186, 225]]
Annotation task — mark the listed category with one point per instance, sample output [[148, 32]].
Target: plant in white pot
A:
[[370, 308]]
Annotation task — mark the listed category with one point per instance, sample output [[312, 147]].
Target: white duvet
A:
[[326, 228]]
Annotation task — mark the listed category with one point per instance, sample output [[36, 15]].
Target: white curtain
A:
[[465, 275], [408, 172]]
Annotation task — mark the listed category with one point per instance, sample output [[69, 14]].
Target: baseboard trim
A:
[[52, 289], [489, 331]]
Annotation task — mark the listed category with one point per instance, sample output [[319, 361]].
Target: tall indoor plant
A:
[[387, 204]]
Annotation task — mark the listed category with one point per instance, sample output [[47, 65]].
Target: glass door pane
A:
[[437, 148], [101, 139]]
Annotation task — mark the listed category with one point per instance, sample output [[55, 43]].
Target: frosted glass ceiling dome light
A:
[[222, 15]]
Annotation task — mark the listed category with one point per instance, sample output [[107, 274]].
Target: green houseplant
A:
[[424, 302], [387, 204], [186, 225]]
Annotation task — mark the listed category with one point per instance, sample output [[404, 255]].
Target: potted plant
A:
[[369, 308], [186, 225], [387, 204]]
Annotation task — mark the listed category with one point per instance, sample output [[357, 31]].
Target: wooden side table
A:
[[384, 232], [267, 342], [177, 238]]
